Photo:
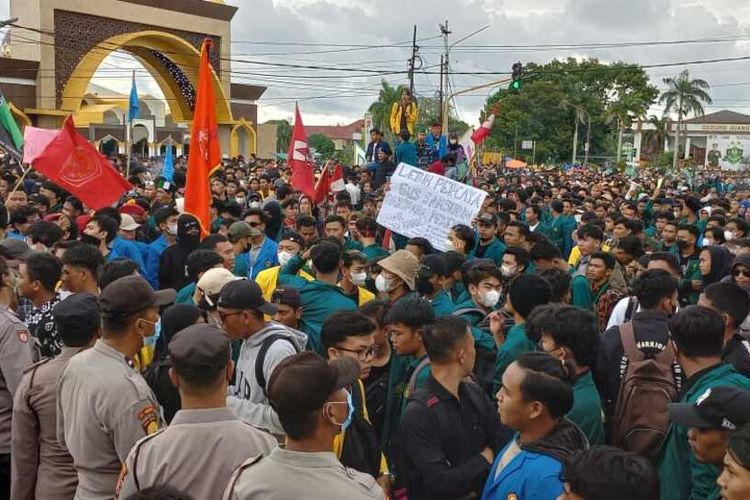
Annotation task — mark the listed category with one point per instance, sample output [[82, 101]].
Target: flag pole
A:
[[129, 134], [26, 171]]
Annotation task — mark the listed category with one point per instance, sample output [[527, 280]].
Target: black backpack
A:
[[261, 358]]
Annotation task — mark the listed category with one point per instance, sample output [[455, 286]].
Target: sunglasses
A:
[[744, 272]]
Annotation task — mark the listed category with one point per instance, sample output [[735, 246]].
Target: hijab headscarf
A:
[[272, 208], [721, 264]]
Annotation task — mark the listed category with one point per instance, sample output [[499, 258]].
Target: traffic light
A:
[[515, 83]]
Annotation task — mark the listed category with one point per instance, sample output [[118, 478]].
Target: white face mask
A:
[[284, 258], [728, 235], [382, 284], [490, 299], [254, 204], [358, 279], [705, 242], [449, 246], [507, 271], [172, 228], [241, 201]]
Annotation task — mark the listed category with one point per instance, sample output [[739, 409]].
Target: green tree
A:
[[429, 113], [653, 139], [558, 97], [381, 109], [322, 145], [283, 135], [684, 97]]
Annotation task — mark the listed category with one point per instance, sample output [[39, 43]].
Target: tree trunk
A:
[[619, 140], [575, 142], [677, 137]]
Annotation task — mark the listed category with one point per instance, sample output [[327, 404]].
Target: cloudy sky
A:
[[371, 40]]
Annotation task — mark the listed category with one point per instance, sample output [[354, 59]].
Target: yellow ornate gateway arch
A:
[[66, 40], [171, 60]]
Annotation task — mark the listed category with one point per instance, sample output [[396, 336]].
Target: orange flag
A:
[[205, 152]]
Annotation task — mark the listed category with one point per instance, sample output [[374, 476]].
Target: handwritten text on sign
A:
[[423, 204]]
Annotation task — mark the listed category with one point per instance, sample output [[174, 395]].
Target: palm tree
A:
[[684, 97], [653, 140], [623, 111], [381, 109]]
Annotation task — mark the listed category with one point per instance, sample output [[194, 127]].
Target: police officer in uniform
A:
[[309, 397], [104, 405], [42, 469], [16, 353], [206, 441]]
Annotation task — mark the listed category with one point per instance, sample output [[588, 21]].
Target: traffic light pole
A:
[[466, 91]]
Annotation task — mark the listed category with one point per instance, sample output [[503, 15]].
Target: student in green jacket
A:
[[335, 227], [322, 296], [410, 367], [483, 283], [367, 229], [525, 293], [572, 334], [586, 290], [689, 253], [488, 245], [534, 220], [430, 281], [698, 336]]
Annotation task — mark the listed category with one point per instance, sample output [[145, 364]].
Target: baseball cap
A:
[[15, 249], [286, 296], [717, 408], [132, 208], [303, 382], [78, 312], [487, 219], [128, 223], [199, 346], [241, 229], [293, 236], [245, 294], [213, 281], [132, 294], [403, 264]]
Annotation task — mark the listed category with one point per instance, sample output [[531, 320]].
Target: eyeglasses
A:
[[223, 316], [362, 354], [744, 272]]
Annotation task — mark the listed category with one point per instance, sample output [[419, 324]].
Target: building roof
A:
[[334, 132], [724, 117], [245, 91]]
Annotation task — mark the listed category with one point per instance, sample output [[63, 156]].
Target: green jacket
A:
[[516, 343], [560, 233], [442, 304], [587, 409], [352, 244], [482, 338], [319, 300], [681, 475], [495, 251], [374, 251], [185, 295], [688, 296], [543, 228]]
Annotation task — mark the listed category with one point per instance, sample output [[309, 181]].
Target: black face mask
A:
[[682, 245]]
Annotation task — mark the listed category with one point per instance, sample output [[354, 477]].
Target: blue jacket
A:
[[150, 263], [439, 147], [534, 473], [406, 152], [267, 257], [124, 249]]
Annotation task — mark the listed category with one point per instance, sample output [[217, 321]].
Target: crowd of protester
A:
[[586, 337]]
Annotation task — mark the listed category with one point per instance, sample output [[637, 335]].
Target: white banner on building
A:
[[427, 205], [731, 152]]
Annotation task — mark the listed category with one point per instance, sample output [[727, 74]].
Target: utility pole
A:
[[444, 65], [12, 20], [413, 60]]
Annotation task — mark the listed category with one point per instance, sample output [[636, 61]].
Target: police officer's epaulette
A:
[[242, 468]]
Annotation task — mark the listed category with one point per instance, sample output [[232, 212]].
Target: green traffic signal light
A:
[[515, 85]]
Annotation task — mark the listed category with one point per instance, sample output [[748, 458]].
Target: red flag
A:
[[205, 151], [330, 181], [299, 159], [71, 162], [482, 132]]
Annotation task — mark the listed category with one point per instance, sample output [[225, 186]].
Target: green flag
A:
[[11, 137]]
